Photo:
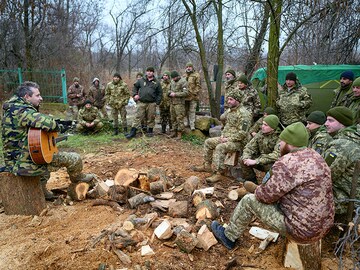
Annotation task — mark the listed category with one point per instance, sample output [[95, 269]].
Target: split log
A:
[[198, 197], [178, 209], [206, 191], [162, 205], [163, 231], [206, 239], [206, 210], [125, 177], [186, 241], [21, 195], [77, 191], [114, 205], [237, 194], [144, 182], [165, 195], [157, 187], [156, 174], [139, 199], [303, 257], [191, 184], [118, 193], [231, 159]]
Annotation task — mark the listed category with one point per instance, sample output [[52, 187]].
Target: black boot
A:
[[163, 128], [125, 130], [132, 133], [150, 132], [116, 131]]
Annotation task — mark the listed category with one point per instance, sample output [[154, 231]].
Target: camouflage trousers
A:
[[215, 151], [103, 112], [94, 129], [177, 116], [72, 112], [248, 173], [115, 115], [190, 111], [165, 116], [71, 161], [247, 208], [146, 111]]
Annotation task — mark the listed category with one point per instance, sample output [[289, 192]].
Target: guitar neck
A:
[[62, 138]]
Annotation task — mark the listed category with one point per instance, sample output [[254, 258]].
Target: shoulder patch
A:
[[330, 158], [266, 177]]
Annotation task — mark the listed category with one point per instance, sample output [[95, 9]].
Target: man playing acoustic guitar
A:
[[20, 113]]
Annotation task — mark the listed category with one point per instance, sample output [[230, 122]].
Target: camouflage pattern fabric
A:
[[300, 183], [89, 115], [194, 85], [257, 126], [143, 111], [353, 103], [165, 113], [73, 93], [115, 117], [180, 88], [245, 211], [97, 96], [292, 105], [341, 95], [251, 100], [190, 112], [18, 116], [230, 86], [319, 139], [341, 155]]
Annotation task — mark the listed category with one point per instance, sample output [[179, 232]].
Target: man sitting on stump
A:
[[89, 119], [21, 113], [296, 201]]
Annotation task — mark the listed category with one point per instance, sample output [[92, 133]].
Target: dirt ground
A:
[[57, 239]]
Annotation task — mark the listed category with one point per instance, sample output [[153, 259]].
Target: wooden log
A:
[[206, 238], [303, 257], [126, 176], [118, 193], [139, 199], [144, 182], [178, 209], [21, 195], [232, 158], [198, 197], [186, 241], [163, 231], [237, 194], [114, 205], [206, 210], [77, 191], [191, 184], [157, 187]]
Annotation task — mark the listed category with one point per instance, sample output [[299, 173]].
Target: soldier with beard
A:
[[296, 200], [343, 93], [230, 81], [76, 98]]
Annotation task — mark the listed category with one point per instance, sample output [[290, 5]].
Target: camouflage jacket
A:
[[18, 116], [89, 115], [319, 139], [341, 95], [341, 155], [97, 95], [293, 105], [149, 91], [300, 183], [165, 101], [353, 103], [238, 122], [72, 93], [251, 100], [180, 88], [117, 95], [264, 148], [257, 126], [194, 85], [229, 86]]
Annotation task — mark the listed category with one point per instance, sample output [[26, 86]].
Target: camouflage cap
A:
[[139, 74], [342, 114], [167, 73], [152, 69], [295, 134], [235, 95], [76, 79], [270, 110]]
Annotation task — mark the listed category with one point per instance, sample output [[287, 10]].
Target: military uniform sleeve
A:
[[257, 103], [98, 116], [271, 157], [184, 92], [33, 119], [338, 162], [137, 86], [81, 117], [306, 100], [107, 93], [257, 126], [71, 93], [251, 149]]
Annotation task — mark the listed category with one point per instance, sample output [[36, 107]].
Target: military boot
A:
[[49, 196], [116, 131], [250, 186], [82, 177], [132, 133], [125, 130], [150, 132], [203, 168]]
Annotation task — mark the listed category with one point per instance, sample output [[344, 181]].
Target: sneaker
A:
[[218, 232]]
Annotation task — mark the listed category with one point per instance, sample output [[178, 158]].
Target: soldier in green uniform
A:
[[296, 200], [117, 95], [96, 95], [177, 95], [353, 103], [89, 119], [257, 126], [76, 98], [341, 154], [293, 101], [343, 92], [164, 107], [233, 138], [319, 137], [250, 97], [19, 114], [230, 82], [194, 87]]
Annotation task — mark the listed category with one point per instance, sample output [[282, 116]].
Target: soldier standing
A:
[[343, 92], [297, 199], [353, 103], [341, 154], [97, 96], [319, 137], [89, 119], [21, 113], [178, 93], [194, 87], [293, 101], [230, 81], [117, 95], [147, 93], [164, 107], [76, 98]]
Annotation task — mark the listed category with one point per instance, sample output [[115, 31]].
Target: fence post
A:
[[20, 75], [63, 85]]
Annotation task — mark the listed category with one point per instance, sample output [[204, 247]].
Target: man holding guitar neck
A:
[[20, 113]]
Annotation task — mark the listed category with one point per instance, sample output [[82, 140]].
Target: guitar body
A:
[[42, 145]]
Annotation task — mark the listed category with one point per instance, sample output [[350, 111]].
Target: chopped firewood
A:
[[164, 195], [125, 177], [128, 225], [139, 199], [206, 191], [77, 191], [118, 193], [101, 188], [144, 182], [186, 241], [162, 205], [235, 194], [178, 209], [231, 158], [114, 205], [124, 258], [191, 184], [156, 174], [264, 243], [178, 188], [206, 210], [163, 231], [157, 187], [146, 251], [206, 238], [198, 197], [232, 263]]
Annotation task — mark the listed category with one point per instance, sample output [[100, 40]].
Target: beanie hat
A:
[[270, 110], [167, 73], [348, 75], [231, 71], [242, 78], [317, 117], [96, 79], [291, 76], [237, 95], [295, 134], [150, 69], [139, 74], [342, 114], [174, 74], [76, 79], [189, 64], [117, 75], [272, 121], [356, 82], [87, 102]]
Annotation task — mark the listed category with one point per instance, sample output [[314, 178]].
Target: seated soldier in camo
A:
[[89, 119], [257, 126], [233, 138]]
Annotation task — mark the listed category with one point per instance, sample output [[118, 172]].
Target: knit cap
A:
[[231, 71], [270, 110], [356, 82], [317, 117], [242, 78], [342, 114], [272, 121], [348, 75], [295, 134], [167, 73], [152, 69], [117, 75], [174, 74], [189, 64], [76, 79], [237, 95], [291, 76]]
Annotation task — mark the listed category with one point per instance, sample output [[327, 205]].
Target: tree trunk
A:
[[21, 195]]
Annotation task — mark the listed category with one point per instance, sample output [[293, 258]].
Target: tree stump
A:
[[21, 195], [303, 257], [77, 191]]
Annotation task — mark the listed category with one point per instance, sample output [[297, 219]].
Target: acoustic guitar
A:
[[42, 145]]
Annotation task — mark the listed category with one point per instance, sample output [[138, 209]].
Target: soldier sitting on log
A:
[[20, 113]]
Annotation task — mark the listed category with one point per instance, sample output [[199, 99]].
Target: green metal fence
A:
[[52, 83]]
